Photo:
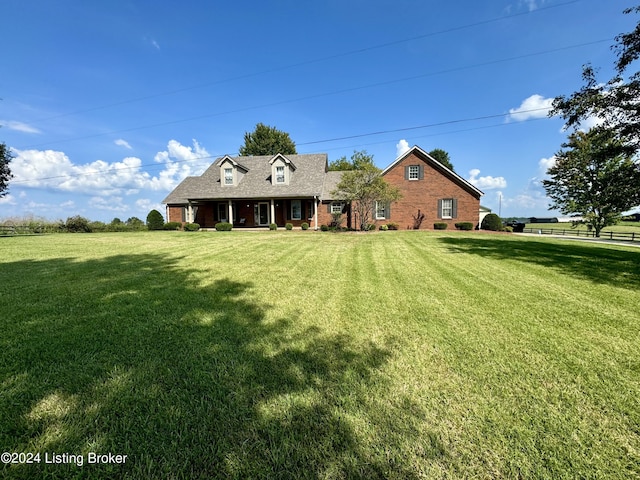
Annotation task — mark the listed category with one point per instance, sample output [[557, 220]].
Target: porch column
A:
[[315, 212], [230, 217], [190, 213], [273, 212]]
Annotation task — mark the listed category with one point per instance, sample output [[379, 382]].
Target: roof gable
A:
[[233, 162], [284, 159], [420, 153]]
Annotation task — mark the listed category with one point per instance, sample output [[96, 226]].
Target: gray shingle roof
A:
[[309, 178]]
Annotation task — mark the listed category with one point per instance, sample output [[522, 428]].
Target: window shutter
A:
[[406, 172], [421, 172], [329, 207], [439, 208], [388, 211], [454, 208]]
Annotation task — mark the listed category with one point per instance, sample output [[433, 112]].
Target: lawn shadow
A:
[[134, 355], [596, 263]]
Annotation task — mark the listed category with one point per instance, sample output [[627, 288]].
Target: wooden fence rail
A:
[[11, 230], [624, 236]]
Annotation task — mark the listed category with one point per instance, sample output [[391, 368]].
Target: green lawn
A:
[[319, 355]]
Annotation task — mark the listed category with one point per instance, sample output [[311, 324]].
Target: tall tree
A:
[[442, 156], [5, 171], [614, 103], [594, 178], [359, 160], [266, 140], [363, 188]]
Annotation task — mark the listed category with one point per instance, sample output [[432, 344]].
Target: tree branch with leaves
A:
[[363, 188], [5, 171]]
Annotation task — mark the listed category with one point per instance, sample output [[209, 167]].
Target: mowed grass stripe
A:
[[308, 354]]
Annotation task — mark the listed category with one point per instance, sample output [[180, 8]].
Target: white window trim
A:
[[447, 206], [337, 207], [414, 172], [280, 179], [227, 178], [384, 207]]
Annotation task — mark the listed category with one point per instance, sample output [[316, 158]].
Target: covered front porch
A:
[[253, 213]]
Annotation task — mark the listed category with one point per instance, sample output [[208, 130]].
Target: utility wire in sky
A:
[[318, 95], [315, 142], [308, 62]]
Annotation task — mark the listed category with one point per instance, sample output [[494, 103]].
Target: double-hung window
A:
[[447, 208], [414, 172], [381, 210], [228, 176], [336, 207], [280, 174]]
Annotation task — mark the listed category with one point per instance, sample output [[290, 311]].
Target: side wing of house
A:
[[431, 193]]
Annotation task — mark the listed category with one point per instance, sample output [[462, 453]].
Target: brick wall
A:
[[424, 194]]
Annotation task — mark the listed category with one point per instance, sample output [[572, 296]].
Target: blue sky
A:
[[109, 105]]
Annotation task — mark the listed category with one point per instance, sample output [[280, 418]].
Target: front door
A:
[[262, 213]]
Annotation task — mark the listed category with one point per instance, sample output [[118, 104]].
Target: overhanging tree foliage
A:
[[266, 140], [615, 103], [363, 188], [593, 178], [5, 171]]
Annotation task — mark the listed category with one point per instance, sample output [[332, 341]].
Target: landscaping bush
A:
[[172, 226], [371, 226], [304, 226], [273, 226], [336, 220], [223, 227], [289, 226], [191, 227], [392, 226], [492, 222], [324, 228], [464, 226], [507, 229], [77, 224], [440, 226], [98, 226], [384, 228], [155, 220]]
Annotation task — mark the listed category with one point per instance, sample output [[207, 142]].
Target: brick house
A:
[[431, 188], [255, 191]]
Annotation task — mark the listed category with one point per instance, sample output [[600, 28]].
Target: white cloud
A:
[[544, 164], [402, 147], [535, 106], [532, 4], [8, 199], [54, 170], [486, 183], [110, 204], [19, 126], [123, 143]]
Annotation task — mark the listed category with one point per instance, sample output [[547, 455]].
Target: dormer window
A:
[[281, 170], [231, 172], [228, 176]]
